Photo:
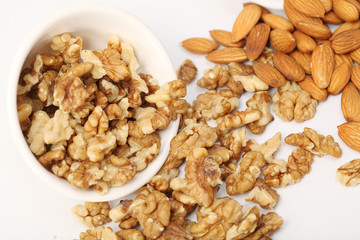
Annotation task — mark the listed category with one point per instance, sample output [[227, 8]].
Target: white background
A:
[[318, 207]]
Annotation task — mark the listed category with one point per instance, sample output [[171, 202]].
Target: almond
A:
[[327, 4], [355, 55], [345, 10], [257, 40], [355, 76], [294, 15], [345, 26], [350, 134], [224, 38], [304, 59], [278, 22], [332, 18], [339, 79], [343, 58], [264, 11], [355, 3], [346, 41], [350, 103], [304, 42], [288, 67], [316, 93], [322, 64], [269, 74], [199, 45], [245, 21], [282, 41], [227, 55], [312, 8], [316, 30]]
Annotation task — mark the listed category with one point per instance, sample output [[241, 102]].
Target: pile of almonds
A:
[[306, 52]]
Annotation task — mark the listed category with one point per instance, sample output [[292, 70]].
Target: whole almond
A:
[[322, 64], [355, 55], [312, 8], [282, 41], [343, 58], [350, 134], [304, 42], [288, 67], [316, 93], [327, 4], [224, 38], [304, 59], [257, 40], [294, 15], [345, 10], [355, 76], [269, 74], [332, 18], [278, 22], [316, 30], [199, 45], [227, 55], [346, 41], [339, 79], [245, 21], [344, 27], [264, 10], [350, 103]]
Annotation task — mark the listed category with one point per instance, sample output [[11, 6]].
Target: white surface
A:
[[78, 20], [318, 207]]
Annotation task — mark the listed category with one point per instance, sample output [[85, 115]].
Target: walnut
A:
[[234, 141], [62, 168], [203, 174], [192, 136], [101, 100], [179, 211], [100, 145], [187, 71], [84, 174], [243, 77], [120, 131], [215, 220], [290, 102], [58, 128], [247, 225], [67, 46], [35, 135], [52, 156], [114, 42], [268, 224], [111, 90], [97, 123], [167, 93], [119, 110], [219, 153], [128, 223], [35, 104], [215, 77], [212, 104], [236, 120], [154, 214], [263, 194], [130, 234], [77, 149], [268, 148], [93, 214], [299, 164], [45, 87], [123, 210], [24, 111], [118, 171], [181, 192], [161, 181], [260, 101], [267, 56], [315, 143], [151, 82], [348, 174], [99, 233], [175, 231], [245, 175]]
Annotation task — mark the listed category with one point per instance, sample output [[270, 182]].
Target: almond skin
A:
[[294, 15], [245, 21], [343, 58], [355, 76], [316, 30], [224, 38], [227, 55], [322, 64], [355, 3], [350, 134], [312, 8], [264, 11], [327, 4], [269, 74], [346, 41], [282, 41], [257, 40], [278, 22], [345, 10], [288, 67], [199, 45], [339, 79], [304, 42], [332, 18], [345, 26], [316, 93], [350, 103], [355, 55], [304, 59]]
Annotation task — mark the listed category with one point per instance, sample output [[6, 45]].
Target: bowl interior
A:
[[95, 24]]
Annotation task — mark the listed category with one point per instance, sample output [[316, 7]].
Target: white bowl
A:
[[95, 23]]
